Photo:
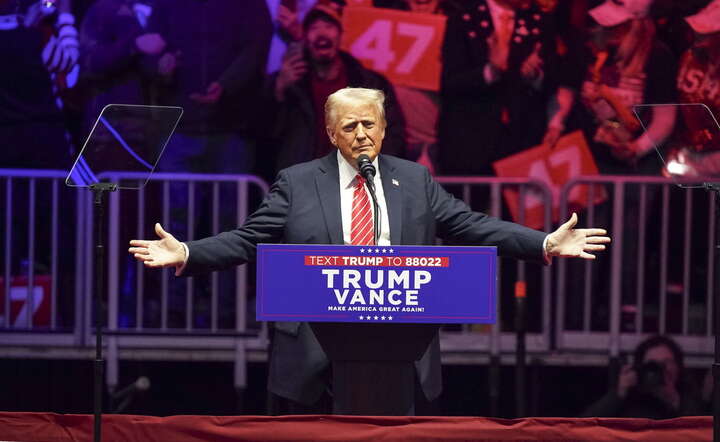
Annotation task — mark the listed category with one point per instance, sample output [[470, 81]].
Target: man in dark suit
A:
[[315, 203], [498, 79]]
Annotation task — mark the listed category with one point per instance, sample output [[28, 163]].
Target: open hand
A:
[[532, 67], [165, 252], [211, 96], [569, 242]]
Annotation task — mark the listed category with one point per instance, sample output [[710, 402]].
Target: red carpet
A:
[[50, 427]]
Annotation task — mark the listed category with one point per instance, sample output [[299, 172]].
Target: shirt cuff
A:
[[547, 258], [181, 269]]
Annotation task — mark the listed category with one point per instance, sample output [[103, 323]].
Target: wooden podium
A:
[[373, 365]]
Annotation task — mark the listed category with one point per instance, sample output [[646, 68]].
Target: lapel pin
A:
[[395, 182]]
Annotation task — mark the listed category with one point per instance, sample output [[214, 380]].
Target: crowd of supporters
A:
[[252, 77]]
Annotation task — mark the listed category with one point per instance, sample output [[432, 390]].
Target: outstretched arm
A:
[[568, 242], [165, 252]]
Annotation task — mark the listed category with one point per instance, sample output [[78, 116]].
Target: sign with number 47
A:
[[403, 46]]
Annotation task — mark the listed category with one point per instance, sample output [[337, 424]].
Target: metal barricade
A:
[[657, 276], [184, 313], [42, 264], [468, 346]]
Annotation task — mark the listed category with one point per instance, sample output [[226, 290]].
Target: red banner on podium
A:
[[569, 158], [403, 46]]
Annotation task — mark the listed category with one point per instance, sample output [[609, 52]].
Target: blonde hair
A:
[[636, 46], [360, 95]]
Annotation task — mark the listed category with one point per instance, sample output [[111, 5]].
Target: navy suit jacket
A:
[[303, 207]]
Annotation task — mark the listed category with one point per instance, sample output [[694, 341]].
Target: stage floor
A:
[[51, 427]]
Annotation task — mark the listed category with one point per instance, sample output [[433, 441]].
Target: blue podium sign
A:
[[403, 284]]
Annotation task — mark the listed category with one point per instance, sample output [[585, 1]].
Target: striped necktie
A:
[[361, 227]]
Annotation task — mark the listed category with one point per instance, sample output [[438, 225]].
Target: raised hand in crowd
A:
[[211, 95], [293, 68], [168, 62], [532, 67], [150, 44], [289, 24], [165, 252]]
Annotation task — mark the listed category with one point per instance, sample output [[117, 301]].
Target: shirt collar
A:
[[348, 172]]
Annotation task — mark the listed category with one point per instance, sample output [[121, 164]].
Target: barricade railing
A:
[[46, 234], [157, 310], [657, 276], [41, 275], [486, 194]]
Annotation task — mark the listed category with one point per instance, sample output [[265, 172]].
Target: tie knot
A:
[[359, 180]]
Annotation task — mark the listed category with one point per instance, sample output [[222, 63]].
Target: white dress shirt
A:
[[347, 188]]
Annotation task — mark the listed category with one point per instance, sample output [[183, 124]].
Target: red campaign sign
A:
[[377, 261], [18, 301], [363, 3], [403, 46], [555, 166]]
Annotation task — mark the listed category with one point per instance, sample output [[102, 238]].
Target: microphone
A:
[[141, 384], [366, 168], [367, 171]]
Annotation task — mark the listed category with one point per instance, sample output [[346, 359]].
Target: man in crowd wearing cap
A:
[[309, 74]]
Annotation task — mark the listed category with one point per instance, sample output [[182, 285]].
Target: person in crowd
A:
[[287, 16], [210, 56], [625, 65], [698, 152], [309, 74], [654, 387], [39, 46], [498, 78], [420, 107], [111, 57], [307, 204]]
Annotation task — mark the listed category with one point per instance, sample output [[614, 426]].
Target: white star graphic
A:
[[384, 250], [383, 318], [361, 318], [362, 250], [392, 251], [376, 318], [377, 250], [369, 250], [390, 318]]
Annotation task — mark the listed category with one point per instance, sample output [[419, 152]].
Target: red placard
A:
[[403, 46], [18, 301], [363, 3], [569, 158]]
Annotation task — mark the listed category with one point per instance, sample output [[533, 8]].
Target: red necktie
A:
[[361, 227]]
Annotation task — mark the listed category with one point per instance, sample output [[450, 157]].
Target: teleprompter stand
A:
[[129, 138]]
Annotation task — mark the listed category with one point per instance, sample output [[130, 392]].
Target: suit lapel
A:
[[393, 199], [327, 182]]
